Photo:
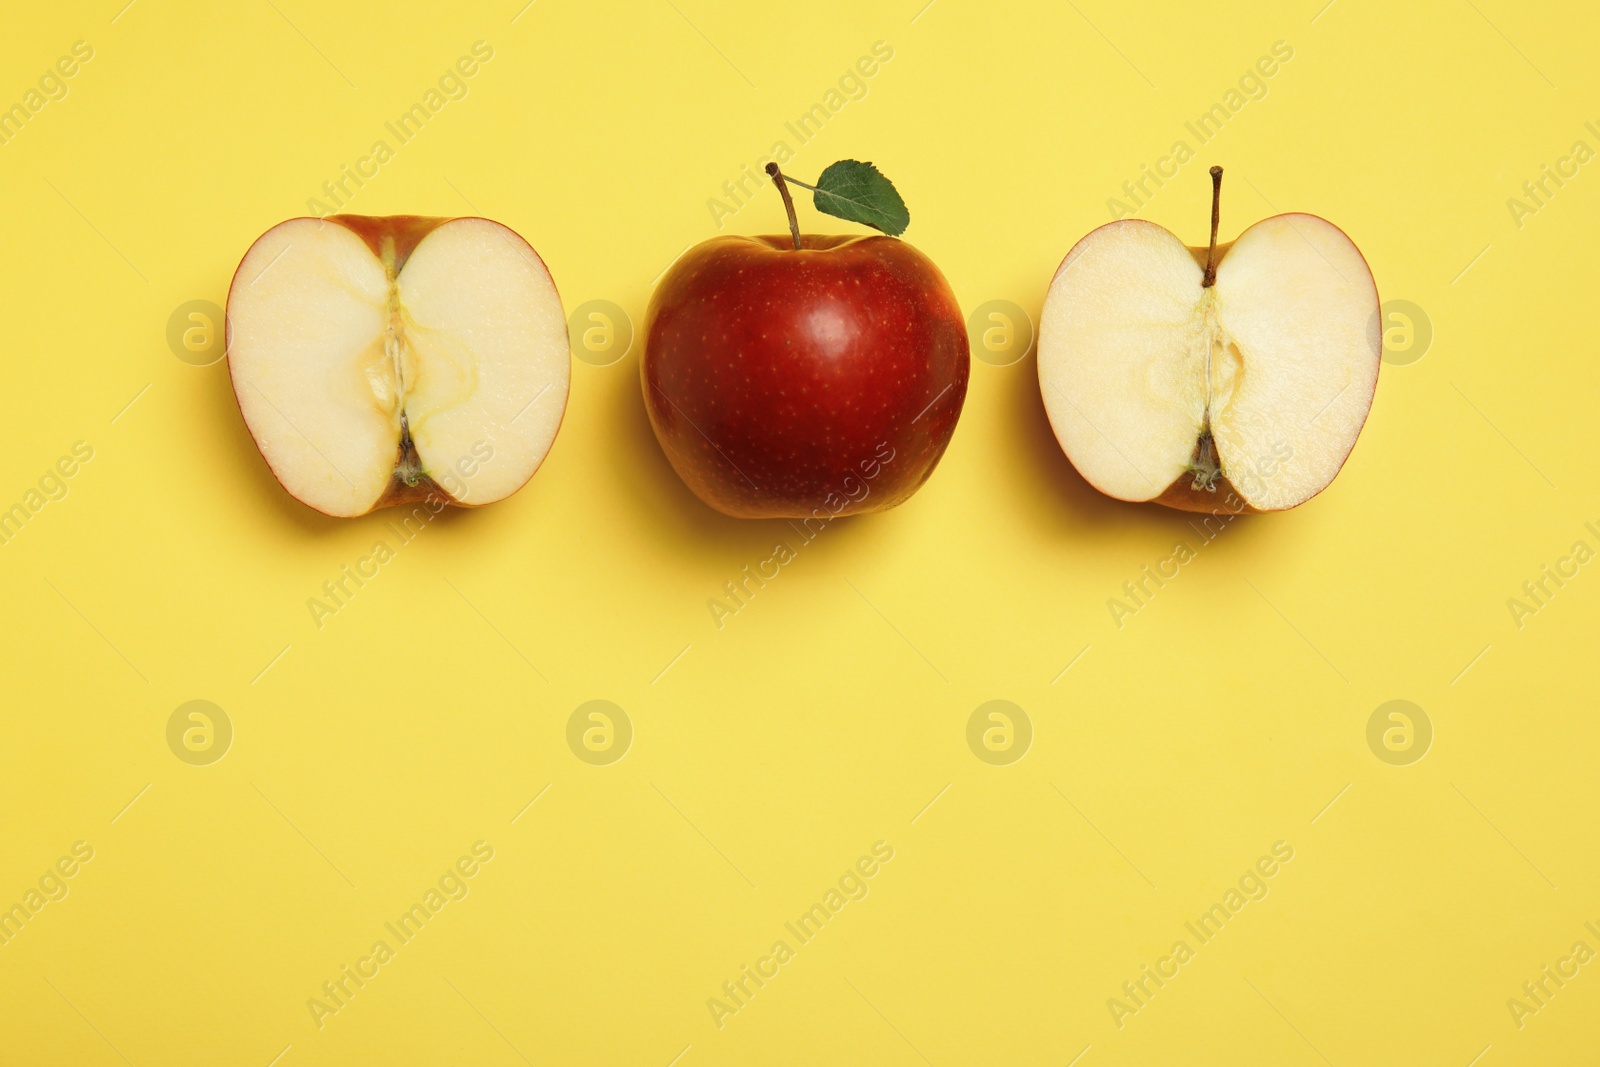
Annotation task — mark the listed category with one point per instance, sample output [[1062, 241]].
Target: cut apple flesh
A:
[[380, 361], [1161, 388]]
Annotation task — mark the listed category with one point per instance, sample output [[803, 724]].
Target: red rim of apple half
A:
[[397, 360], [1243, 391]]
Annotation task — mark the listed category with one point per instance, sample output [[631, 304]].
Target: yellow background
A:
[[1225, 716]]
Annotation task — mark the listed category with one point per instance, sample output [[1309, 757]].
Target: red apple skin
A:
[[790, 384]]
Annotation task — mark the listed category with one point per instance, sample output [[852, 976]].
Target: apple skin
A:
[[1181, 495], [784, 383], [406, 231]]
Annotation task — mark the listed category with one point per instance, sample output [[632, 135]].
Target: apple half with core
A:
[[382, 361], [1240, 372], [807, 377]]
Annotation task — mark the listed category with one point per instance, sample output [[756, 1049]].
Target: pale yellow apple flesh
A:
[[1254, 389], [384, 360]]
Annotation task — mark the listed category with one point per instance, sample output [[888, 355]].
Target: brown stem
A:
[[1216, 214], [788, 202]]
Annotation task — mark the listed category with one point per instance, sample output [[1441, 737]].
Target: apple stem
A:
[[1216, 215], [788, 202]]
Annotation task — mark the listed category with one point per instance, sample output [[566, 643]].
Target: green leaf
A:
[[859, 192]]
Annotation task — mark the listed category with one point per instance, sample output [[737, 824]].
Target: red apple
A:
[[791, 382]]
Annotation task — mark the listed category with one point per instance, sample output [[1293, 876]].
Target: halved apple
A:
[[1182, 375], [382, 361]]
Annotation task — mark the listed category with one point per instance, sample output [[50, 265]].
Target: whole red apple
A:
[[811, 381]]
